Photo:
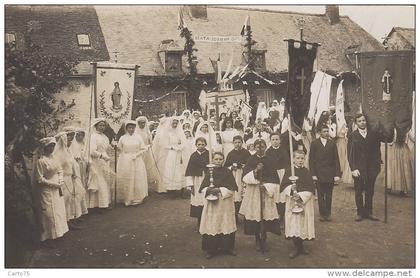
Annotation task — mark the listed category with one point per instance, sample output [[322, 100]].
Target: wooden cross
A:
[[302, 80], [216, 103]]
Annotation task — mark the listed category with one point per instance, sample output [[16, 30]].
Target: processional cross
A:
[[216, 103], [302, 80]]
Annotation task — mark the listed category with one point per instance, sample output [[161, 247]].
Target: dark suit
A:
[[325, 165], [364, 154]]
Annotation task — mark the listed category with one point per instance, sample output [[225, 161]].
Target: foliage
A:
[[31, 112], [249, 42], [193, 82]]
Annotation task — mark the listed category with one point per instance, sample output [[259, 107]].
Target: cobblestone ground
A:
[[159, 233]]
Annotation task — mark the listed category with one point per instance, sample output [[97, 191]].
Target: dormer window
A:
[[10, 38], [173, 62], [259, 59], [83, 40]]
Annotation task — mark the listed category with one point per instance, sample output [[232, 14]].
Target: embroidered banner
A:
[[301, 62], [235, 39], [114, 90], [387, 88]]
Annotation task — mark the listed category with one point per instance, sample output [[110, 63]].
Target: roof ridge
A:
[[405, 28], [265, 10]]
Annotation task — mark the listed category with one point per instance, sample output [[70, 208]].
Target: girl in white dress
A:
[[51, 211], [143, 129], [170, 151], [101, 178], [228, 132], [205, 131], [73, 190], [131, 170]]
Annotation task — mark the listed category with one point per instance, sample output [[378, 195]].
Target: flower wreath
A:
[[110, 116]]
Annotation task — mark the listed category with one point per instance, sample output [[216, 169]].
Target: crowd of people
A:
[[254, 172]]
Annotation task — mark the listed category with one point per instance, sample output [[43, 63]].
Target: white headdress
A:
[[262, 112]]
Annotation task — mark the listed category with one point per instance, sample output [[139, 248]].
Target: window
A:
[[83, 39], [10, 38], [173, 62], [259, 59]]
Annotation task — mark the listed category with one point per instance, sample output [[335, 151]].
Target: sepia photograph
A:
[[221, 136]]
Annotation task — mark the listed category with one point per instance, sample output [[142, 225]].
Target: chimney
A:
[[332, 12], [198, 11]]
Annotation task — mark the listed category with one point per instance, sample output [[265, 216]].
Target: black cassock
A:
[[239, 157], [280, 157], [196, 168], [197, 163], [269, 172], [222, 177], [304, 182]]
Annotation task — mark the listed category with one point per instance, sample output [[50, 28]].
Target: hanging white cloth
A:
[[320, 95], [339, 107]]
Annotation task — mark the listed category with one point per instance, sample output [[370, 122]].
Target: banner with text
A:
[[230, 39]]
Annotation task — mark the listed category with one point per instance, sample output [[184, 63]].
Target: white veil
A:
[[262, 112]]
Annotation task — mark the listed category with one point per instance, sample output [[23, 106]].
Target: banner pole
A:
[[386, 184], [115, 169]]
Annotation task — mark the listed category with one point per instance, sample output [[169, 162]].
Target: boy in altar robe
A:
[[260, 177], [194, 176], [218, 225], [235, 161], [299, 226]]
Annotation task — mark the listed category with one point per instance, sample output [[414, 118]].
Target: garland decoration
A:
[[111, 116]]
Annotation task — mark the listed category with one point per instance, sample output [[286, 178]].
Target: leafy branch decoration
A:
[[111, 116]]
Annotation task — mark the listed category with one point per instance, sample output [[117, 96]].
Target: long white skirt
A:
[[299, 225], [53, 218], [251, 204], [100, 182], [131, 180], [218, 216], [173, 172], [346, 176], [74, 197]]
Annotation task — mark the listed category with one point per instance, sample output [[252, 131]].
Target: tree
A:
[[31, 112], [193, 82]]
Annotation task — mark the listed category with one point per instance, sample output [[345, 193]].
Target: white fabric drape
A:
[[320, 95]]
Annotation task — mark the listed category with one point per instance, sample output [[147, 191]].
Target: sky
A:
[[377, 20]]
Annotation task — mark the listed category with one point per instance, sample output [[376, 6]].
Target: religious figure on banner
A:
[[386, 86], [116, 97]]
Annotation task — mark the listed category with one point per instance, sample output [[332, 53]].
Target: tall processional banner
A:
[[114, 92], [387, 88], [301, 61]]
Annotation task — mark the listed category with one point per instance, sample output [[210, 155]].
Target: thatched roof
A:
[[137, 31], [56, 29], [406, 34]]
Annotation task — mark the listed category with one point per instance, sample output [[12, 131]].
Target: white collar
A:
[[363, 132]]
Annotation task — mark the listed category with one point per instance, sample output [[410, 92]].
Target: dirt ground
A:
[[160, 234]]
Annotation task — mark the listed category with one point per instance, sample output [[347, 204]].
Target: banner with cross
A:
[[301, 60]]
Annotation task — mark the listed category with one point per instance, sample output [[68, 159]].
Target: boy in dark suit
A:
[[325, 169], [364, 155]]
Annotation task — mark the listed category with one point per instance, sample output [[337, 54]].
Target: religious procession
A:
[[245, 157]]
